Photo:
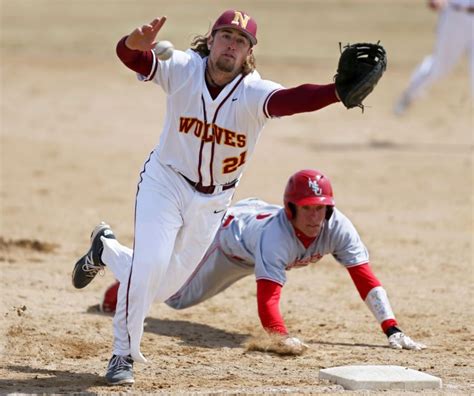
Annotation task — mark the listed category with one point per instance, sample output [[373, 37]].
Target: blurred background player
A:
[[267, 240], [454, 38]]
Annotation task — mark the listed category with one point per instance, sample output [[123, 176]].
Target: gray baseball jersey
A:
[[256, 237], [261, 234]]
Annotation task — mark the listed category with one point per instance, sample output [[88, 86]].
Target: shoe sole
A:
[[98, 229], [129, 381], [78, 265]]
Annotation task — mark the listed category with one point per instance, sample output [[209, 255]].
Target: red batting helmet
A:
[[239, 20], [308, 187]]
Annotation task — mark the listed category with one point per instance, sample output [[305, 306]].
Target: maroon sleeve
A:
[[268, 300], [305, 98], [138, 61]]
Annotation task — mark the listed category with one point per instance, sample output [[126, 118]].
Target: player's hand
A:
[[144, 38], [293, 345], [277, 343], [402, 341]]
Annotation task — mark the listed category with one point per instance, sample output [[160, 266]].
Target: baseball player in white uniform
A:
[[267, 240], [217, 106], [454, 38]]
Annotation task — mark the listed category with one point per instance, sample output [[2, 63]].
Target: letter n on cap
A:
[[240, 19]]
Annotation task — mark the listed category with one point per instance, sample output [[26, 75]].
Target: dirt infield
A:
[[76, 127]]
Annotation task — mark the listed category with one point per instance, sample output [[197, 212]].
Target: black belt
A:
[[209, 189]]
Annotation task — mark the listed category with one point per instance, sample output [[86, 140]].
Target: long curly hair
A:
[[199, 45]]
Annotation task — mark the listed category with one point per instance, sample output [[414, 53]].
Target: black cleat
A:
[[89, 265]]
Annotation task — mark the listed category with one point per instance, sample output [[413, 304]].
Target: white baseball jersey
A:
[[205, 139]]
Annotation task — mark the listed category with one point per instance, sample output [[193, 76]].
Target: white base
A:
[[380, 378]]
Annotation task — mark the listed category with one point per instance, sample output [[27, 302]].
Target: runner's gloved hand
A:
[[294, 345], [399, 340]]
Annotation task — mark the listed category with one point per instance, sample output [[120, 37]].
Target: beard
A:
[[225, 65]]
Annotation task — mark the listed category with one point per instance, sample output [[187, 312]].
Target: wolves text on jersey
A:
[[221, 135]]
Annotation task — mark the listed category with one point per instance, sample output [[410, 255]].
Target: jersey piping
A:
[[211, 126], [154, 68]]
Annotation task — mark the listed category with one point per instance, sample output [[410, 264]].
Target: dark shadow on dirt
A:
[[195, 334], [44, 381], [189, 333], [348, 344]]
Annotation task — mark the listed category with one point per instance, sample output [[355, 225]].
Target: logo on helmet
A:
[[313, 185]]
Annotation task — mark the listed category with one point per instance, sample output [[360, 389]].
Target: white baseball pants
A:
[[174, 226], [455, 37]]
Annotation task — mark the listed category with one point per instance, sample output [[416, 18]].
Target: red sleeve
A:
[[139, 61], [365, 280], [386, 324], [305, 98], [268, 300]]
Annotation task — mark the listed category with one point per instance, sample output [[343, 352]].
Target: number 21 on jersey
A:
[[232, 163]]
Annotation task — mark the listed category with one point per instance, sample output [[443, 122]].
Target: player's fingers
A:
[[408, 343], [417, 346], [158, 23], [395, 345], [154, 22], [147, 28], [137, 32]]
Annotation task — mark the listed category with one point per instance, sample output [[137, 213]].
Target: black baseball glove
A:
[[360, 67]]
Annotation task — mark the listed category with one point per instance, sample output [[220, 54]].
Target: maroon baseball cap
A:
[[239, 20]]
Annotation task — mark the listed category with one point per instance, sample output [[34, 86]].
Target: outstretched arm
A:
[[375, 296], [301, 99], [144, 38], [135, 50], [268, 299], [359, 69]]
